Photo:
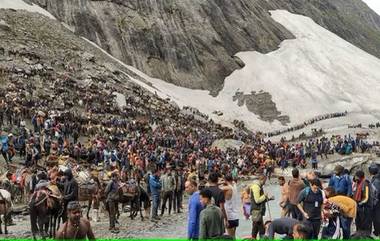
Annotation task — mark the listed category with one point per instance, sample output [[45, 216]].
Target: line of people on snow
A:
[[307, 123]]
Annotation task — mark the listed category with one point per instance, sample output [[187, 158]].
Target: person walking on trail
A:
[[195, 208], [70, 191], [295, 186], [284, 201], [168, 186], [314, 160], [231, 205], [112, 194], [340, 182], [310, 203], [375, 180], [4, 147], [217, 194], [348, 209], [246, 201], [211, 218], [364, 215], [178, 190], [269, 167], [155, 189], [258, 201], [76, 227]]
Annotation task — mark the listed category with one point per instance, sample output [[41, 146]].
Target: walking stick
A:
[[270, 215]]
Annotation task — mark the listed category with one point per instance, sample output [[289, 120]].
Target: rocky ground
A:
[[168, 226]]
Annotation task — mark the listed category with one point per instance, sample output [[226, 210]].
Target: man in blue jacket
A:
[[195, 208], [4, 147], [341, 182], [155, 189]]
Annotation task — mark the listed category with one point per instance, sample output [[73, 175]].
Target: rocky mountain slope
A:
[[192, 43], [45, 67], [300, 69]]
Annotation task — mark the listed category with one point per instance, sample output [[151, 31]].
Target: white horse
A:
[[5, 208]]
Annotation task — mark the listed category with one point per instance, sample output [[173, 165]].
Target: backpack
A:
[[308, 190], [374, 193]]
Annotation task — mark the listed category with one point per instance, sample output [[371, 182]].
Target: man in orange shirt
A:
[[348, 209]]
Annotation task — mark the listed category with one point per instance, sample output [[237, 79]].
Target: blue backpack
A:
[[4, 144]]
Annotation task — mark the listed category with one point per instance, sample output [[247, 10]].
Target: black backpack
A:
[[374, 193]]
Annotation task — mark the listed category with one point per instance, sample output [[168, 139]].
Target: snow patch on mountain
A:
[[21, 5], [314, 74]]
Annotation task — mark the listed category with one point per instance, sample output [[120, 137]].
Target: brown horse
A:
[[23, 185], [90, 192], [5, 208], [45, 210], [136, 197]]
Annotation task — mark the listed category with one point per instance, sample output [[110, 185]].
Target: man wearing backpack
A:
[[258, 201], [341, 183], [375, 181], [362, 196], [310, 203]]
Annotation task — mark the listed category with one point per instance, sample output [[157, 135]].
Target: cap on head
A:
[[73, 205]]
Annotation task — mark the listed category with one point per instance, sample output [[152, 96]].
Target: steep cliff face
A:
[[191, 43]]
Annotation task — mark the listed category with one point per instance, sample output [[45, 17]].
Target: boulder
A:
[[224, 144], [89, 57], [4, 25], [352, 163]]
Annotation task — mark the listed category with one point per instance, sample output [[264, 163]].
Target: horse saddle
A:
[[54, 191], [5, 196], [88, 188], [129, 189], [82, 177], [20, 175]]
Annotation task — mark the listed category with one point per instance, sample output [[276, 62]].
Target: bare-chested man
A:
[[76, 227]]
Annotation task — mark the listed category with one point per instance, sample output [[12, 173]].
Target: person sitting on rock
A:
[[76, 227]]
